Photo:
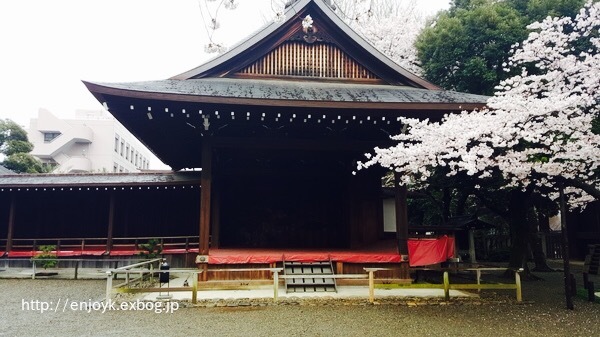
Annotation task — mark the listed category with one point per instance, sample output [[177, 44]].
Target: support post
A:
[[205, 202], [401, 215], [371, 286], [109, 279], [518, 284], [195, 289], [446, 286], [275, 285], [11, 222], [111, 221]]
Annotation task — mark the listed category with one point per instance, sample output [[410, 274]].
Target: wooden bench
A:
[[591, 266]]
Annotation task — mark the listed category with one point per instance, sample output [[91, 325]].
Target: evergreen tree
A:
[[15, 147]]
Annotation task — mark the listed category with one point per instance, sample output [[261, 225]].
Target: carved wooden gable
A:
[[312, 43], [317, 60]]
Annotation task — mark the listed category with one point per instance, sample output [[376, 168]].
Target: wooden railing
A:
[[101, 244], [447, 286]]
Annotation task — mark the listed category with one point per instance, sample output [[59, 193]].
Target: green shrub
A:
[[151, 249], [47, 259]]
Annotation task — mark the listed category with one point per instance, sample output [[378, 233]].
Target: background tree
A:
[[465, 47], [538, 131], [15, 147]]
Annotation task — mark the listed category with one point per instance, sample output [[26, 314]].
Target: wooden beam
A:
[[298, 144], [401, 215], [111, 221], [11, 223], [205, 196]]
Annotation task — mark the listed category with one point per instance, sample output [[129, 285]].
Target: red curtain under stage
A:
[[423, 252], [380, 252], [239, 256]]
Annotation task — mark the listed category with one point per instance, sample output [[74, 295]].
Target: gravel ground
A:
[[494, 314]]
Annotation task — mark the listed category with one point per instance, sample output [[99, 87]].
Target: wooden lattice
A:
[[296, 58]]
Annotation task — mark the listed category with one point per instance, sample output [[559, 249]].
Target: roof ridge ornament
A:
[[309, 29]]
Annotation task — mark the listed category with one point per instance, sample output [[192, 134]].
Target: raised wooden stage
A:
[[380, 252], [345, 261]]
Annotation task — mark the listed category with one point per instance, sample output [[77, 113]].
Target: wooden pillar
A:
[[11, 223], [111, 221], [205, 196], [205, 204], [401, 215]]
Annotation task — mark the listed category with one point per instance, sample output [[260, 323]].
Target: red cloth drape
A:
[[423, 252]]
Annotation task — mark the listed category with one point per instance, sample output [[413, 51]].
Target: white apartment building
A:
[[92, 142]]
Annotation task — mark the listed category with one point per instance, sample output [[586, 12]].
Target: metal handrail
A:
[[113, 272]]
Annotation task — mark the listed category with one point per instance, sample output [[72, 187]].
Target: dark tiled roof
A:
[[298, 90], [4, 170], [115, 179]]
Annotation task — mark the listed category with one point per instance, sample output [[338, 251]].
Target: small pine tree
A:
[[151, 249], [47, 258]]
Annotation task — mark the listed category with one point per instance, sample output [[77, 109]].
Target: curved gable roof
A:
[[275, 34]]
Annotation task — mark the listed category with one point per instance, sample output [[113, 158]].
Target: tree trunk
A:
[[461, 203], [519, 231], [447, 199], [539, 258]]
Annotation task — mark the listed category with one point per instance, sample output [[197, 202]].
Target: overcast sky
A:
[[49, 46]]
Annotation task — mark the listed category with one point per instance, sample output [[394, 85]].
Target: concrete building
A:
[[92, 142]]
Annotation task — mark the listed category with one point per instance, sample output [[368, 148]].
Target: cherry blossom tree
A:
[[391, 26], [537, 129], [537, 133]]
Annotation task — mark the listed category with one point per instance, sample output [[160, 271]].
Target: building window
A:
[[49, 136], [127, 151], [122, 148], [115, 167], [117, 143], [131, 158]]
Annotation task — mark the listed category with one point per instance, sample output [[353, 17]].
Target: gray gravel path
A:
[[495, 314]]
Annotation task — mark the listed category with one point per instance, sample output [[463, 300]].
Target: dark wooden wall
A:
[[4, 214], [85, 214], [296, 199], [157, 212]]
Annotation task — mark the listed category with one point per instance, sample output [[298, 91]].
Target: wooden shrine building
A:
[[277, 124]]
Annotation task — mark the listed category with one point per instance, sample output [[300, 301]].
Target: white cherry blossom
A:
[[537, 127]]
